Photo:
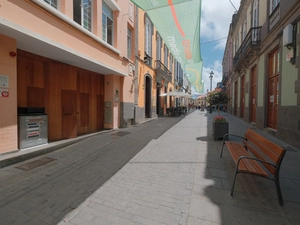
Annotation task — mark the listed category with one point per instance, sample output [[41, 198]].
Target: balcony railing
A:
[[251, 40], [274, 17], [159, 66]]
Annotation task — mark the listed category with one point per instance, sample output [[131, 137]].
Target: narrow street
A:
[[44, 189]]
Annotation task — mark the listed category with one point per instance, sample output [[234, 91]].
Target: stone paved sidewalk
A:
[[179, 179]]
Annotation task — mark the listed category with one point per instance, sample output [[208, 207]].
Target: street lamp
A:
[[211, 76]]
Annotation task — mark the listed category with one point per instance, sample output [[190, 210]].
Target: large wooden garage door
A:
[[69, 113]]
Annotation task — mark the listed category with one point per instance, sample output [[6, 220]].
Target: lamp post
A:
[[211, 76]]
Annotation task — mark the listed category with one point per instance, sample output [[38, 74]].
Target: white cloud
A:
[[216, 17], [215, 20]]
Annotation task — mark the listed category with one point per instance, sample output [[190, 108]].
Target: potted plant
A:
[[220, 125]]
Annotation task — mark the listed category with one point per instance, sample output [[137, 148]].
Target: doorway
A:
[[253, 94], [148, 96], [273, 87], [235, 97], [243, 96]]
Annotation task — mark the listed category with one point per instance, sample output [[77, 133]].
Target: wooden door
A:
[[69, 113], [235, 97], [100, 112], [35, 97], [273, 87], [253, 93], [242, 96]]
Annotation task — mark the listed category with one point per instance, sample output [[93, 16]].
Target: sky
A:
[[215, 20]]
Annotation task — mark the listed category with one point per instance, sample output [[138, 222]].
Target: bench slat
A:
[[270, 149], [232, 146], [271, 169], [249, 166]]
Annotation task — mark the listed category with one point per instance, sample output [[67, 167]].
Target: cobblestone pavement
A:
[[175, 179]]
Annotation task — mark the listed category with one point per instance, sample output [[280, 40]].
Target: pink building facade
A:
[[73, 58]]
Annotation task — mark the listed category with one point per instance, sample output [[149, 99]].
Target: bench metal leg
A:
[[278, 190], [222, 149], [234, 178]]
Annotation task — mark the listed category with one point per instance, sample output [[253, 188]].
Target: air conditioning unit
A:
[[287, 38]]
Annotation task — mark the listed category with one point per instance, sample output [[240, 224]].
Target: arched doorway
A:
[[148, 89]]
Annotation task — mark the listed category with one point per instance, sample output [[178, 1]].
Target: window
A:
[[255, 14], [129, 41], [148, 37], [175, 69], [130, 14], [255, 20], [171, 63], [273, 4], [82, 13], [107, 23], [244, 30], [158, 46], [166, 51], [53, 3]]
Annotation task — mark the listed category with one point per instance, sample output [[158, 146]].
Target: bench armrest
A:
[[255, 159], [234, 135]]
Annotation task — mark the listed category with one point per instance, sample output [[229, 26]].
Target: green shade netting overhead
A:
[[178, 23]]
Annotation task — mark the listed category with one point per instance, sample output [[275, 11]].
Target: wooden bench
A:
[[257, 156]]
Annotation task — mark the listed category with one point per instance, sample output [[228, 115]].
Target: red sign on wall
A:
[[4, 92]]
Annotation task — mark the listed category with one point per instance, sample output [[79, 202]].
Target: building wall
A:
[[34, 20], [261, 81], [60, 57], [262, 12], [8, 105], [287, 128], [289, 75], [157, 103]]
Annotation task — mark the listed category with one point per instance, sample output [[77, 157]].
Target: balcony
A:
[[274, 17], [162, 72], [250, 45], [225, 77]]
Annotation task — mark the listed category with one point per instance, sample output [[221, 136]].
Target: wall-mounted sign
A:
[[107, 104], [108, 116], [289, 56], [3, 81], [4, 92]]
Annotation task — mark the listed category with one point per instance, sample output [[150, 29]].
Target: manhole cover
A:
[[35, 163], [121, 133]]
